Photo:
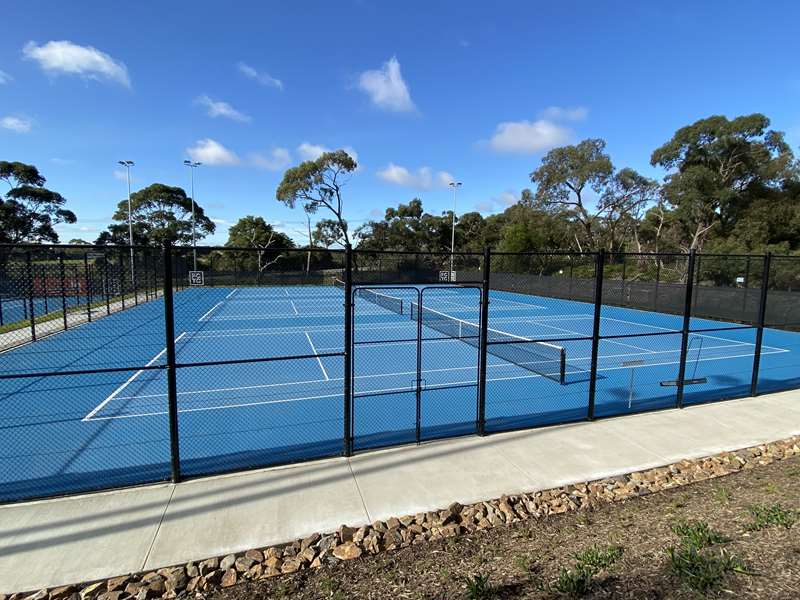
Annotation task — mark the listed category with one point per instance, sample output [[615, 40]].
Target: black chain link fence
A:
[[131, 365]]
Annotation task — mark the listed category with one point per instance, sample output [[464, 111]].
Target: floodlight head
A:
[[455, 183], [187, 162]]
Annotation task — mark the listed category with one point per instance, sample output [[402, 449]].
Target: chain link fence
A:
[[123, 365]]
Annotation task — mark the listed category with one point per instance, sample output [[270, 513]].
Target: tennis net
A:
[[547, 360], [386, 301]]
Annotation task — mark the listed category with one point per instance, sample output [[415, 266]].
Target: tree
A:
[[621, 204], [563, 178], [719, 167], [29, 211], [160, 213], [255, 232], [328, 232], [78, 242], [318, 184]]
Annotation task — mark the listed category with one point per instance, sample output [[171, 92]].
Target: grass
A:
[[722, 495], [771, 516], [701, 567], [697, 534], [578, 580], [478, 587]]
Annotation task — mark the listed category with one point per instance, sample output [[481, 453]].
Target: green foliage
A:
[[701, 570], [771, 516], [597, 558], [160, 213], [28, 210], [318, 184], [267, 244], [478, 587], [697, 534], [574, 582]]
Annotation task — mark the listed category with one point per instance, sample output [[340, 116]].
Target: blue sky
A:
[[419, 91]]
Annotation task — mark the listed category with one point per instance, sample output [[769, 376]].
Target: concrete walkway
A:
[[67, 540]]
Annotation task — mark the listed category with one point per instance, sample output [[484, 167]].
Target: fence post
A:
[[62, 275], [88, 283], [348, 350], [598, 306], [484, 333], [122, 277], [32, 316], [762, 315], [172, 388], [687, 318]]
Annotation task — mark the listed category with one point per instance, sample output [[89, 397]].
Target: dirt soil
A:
[[524, 560]]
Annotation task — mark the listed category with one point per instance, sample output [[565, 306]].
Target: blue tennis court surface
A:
[[87, 431]]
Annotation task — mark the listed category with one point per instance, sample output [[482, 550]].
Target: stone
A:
[[307, 555], [192, 570], [327, 542], [310, 541], [273, 562], [193, 584], [254, 555], [227, 562], [346, 533], [291, 565], [272, 553], [270, 572], [58, 593], [347, 551], [177, 580], [209, 565], [92, 590], [110, 595], [359, 535], [40, 595], [392, 523], [255, 571], [243, 564], [229, 578]]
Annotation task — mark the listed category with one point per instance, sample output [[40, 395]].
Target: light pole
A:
[[192, 166], [128, 164], [455, 185]]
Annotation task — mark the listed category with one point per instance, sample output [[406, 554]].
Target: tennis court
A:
[[415, 364]]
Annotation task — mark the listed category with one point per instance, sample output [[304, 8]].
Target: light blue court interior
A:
[[68, 433]]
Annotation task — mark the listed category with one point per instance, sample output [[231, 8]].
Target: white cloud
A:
[[16, 124], [386, 87], [311, 151], [275, 160], [500, 202], [5, 77], [217, 108], [260, 77], [210, 152], [506, 199], [64, 57], [308, 151], [528, 137], [424, 178], [221, 221], [576, 113]]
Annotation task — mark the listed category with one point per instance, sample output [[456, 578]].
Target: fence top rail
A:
[[118, 247], [417, 252]]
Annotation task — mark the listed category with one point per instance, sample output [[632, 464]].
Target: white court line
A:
[[294, 307], [319, 360], [380, 390], [232, 293], [130, 379], [212, 309]]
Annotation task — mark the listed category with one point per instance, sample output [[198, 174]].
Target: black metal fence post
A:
[[598, 306], [88, 282], [62, 276], [122, 278], [348, 350], [480, 425], [32, 316], [687, 319], [172, 387], [762, 316]]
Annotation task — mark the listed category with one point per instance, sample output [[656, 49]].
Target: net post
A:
[[762, 317], [600, 262], [562, 379], [62, 276], [687, 316], [348, 350], [31, 315], [480, 425], [172, 388]]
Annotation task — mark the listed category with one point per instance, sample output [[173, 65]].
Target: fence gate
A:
[[448, 324], [386, 367]]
